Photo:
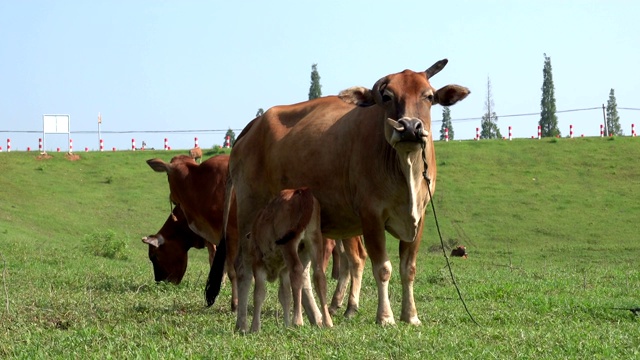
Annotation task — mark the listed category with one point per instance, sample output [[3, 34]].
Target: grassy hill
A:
[[551, 227]]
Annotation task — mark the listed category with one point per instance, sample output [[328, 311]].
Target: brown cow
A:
[[370, 179], [284, 239], [200, 192], [196, 154], [168, 248]]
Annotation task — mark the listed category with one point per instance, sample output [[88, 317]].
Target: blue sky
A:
[[193, 65]]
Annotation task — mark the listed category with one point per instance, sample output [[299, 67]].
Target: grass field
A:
[[551, 227]]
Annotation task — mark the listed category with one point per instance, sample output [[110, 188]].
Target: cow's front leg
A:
[[375, 243], [408, 255]]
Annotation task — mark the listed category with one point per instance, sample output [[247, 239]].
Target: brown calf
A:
[[196, 154], [284, 238]]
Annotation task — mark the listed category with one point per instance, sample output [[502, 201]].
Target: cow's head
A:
[[168, 249], [176, 169], [169, 259], [407, 98]]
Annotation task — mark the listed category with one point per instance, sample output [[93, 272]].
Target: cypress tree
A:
[[548, 119], [315, 90], [613, 120], [446, 123]]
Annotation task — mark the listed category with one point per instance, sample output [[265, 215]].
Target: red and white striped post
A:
[[28, 148], [539, 132], [101, 145], [8, 145], [195, 143], [477, 134], [601, 130], [70, 146], [133, 144], [510, 134], [0, 148], [114, 148], [571, 131], [58, 149], [633, 129], [40, 144], [86, 149], [227, 142], [446, 134], [166, 144]]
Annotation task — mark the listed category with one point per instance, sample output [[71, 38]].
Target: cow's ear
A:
[[357, 95], [158, 165], [450, 94], [153, 240]]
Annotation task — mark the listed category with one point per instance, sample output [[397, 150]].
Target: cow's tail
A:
[[214, 281]]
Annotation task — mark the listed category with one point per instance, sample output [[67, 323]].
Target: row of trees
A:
[[489, 124], [548, 120]]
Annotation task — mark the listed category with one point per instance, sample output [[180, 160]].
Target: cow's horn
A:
[[377, 95], [435, 68], [396, 125]]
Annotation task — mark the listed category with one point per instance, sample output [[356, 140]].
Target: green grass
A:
[[551, 227]]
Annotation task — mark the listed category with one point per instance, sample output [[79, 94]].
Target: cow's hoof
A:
[[351, 312], [413, 321], [333, 310], [386, 321]]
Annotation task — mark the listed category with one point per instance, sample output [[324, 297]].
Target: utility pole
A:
[[604, 118]]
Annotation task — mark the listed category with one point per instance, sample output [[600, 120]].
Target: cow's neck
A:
[[408, 168]]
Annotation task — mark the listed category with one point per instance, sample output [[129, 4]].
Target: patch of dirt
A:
[[72, 157], [43, 156]]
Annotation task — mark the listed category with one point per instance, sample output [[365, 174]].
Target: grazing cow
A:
[[460, 251], [200, 192], [196, 154], [367, 156], [168, 248], [284, 239]]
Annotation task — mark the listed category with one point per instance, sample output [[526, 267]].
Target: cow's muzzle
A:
[[409, 129]]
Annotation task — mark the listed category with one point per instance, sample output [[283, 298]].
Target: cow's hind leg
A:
[[356, 257]]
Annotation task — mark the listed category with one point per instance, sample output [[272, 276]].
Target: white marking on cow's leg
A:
[[284, 294], [259, 293], [245, 275]]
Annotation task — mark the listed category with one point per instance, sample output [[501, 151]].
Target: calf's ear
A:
[[158, 165], [450, 94]]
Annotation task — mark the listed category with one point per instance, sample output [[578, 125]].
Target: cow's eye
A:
[[429, 97]]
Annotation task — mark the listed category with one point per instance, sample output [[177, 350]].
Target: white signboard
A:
[[56, 124]]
